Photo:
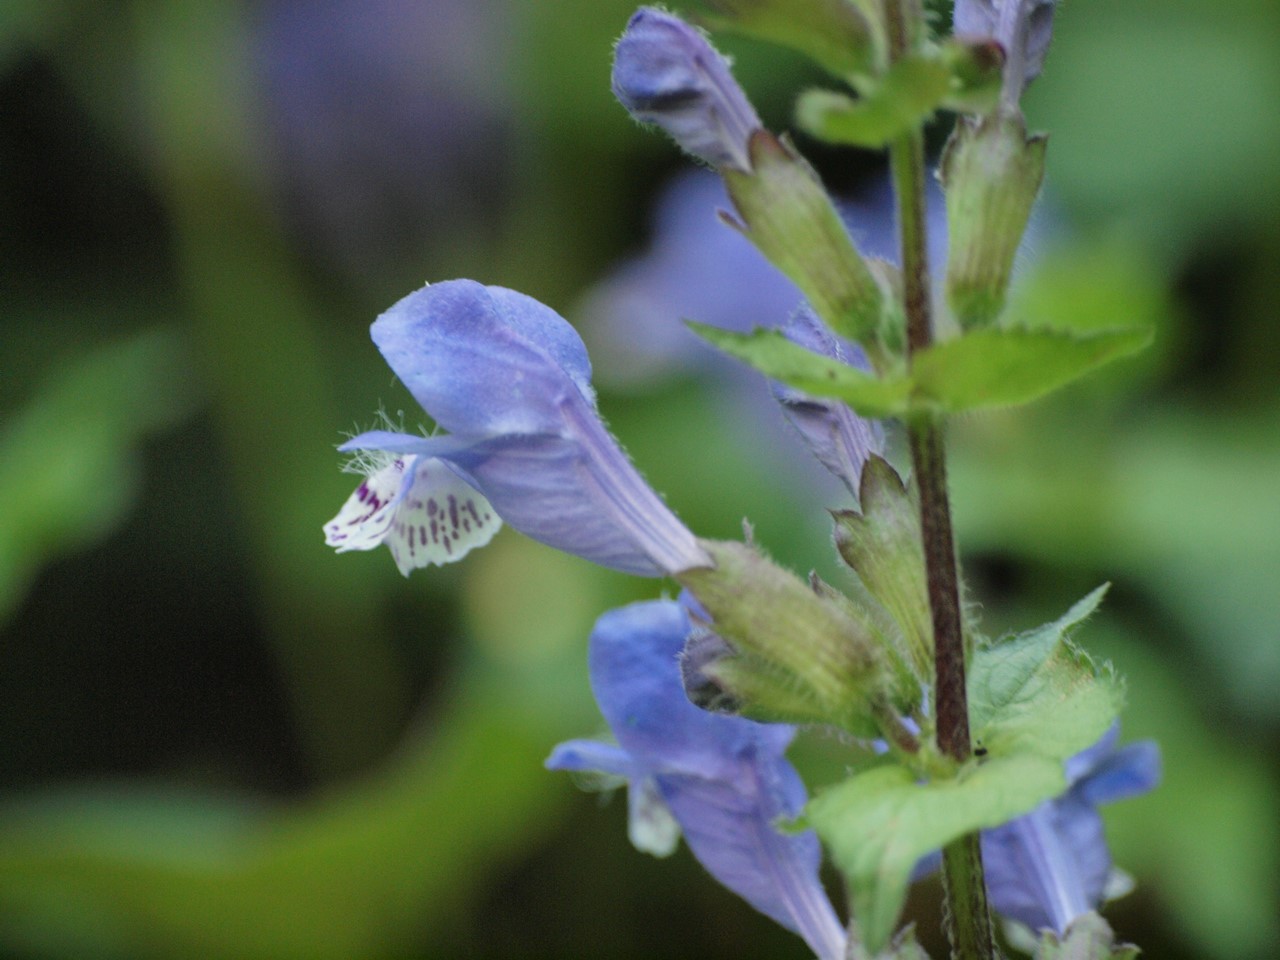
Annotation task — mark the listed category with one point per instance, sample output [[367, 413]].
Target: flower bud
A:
[[666, 73], [787, 651]]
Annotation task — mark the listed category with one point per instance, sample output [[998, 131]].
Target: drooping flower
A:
[[1050, 866], [510, 382], [723, 781], [840, 439], [666, 73]]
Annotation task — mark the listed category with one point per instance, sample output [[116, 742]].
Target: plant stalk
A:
[[968, 916]]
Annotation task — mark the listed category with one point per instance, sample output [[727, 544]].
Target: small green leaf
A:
[[879, 823], [910, 91], [1036, 692], [1006, 367], [770, 352]]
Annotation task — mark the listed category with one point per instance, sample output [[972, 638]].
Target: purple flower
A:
[[840, 439], [1050, 866], [724, 781], [384, 122], [1022, 27], [510, 381], [666, 73]]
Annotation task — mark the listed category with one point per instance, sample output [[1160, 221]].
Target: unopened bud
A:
[[784, 651], [666, 73]]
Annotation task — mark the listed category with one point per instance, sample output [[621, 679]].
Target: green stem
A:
[[968, 915]]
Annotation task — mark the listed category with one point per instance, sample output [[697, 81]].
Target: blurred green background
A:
[[218, 738]]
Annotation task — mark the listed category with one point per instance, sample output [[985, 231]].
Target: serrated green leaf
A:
[[1006, 367], [911, 90], [1035, 691], [777, 357], [879, 823]]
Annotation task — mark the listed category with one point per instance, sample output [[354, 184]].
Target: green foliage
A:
[[68, 461], [991, 174], [1088, 938], [906, 96], [983, 369], [357, 873], [879, 823], [882, 545], [1006, 367], [834, 33], [1035, 692], [770, 352], [820, 655]]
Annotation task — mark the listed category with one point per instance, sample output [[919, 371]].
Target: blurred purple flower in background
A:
[[384, 120], [696, 267], [725, 781]]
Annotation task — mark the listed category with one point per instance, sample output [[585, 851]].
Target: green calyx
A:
[[881, 544], [788, 215], [991, 173], [1088, 938], [792, 651]]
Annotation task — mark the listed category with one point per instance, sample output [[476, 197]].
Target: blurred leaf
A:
[[1163, 113], [880, 822], [907, 95], [1182, 501], [835, 33], [68, 465], [363, 872], [1206, 843], [253, 324], [1010, 366]]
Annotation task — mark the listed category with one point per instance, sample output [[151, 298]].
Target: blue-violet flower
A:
[[510, 381], [666, 73], [1050, 866], [724, 781], [840, 439]]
